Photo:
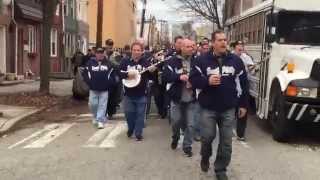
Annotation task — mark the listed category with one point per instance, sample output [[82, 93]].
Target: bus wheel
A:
[[282, 127]]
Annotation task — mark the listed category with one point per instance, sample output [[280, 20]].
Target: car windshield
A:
[[299, 28]]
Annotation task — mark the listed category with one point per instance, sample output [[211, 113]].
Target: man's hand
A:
[[215, 80], [152, 68], [184, 78], [242, 112]]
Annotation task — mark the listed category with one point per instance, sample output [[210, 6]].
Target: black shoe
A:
[[139, 138], [221, 176], [174, 144], [197, 138], [205, 164], [188, 152], [129, 133]]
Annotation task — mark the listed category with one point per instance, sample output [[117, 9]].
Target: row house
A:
[[25, 37], [236, 7], [72, 35], [5, 17], [21, 36]]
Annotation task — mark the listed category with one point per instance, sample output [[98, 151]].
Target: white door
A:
[[3, 49]]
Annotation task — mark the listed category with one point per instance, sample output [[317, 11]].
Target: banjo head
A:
[[131, 83]]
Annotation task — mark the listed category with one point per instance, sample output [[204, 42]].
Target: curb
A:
[[12, 122]]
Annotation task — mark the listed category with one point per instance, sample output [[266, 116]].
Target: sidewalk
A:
[[57, 87], [14, 114]]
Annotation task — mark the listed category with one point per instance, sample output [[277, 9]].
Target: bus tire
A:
[[281, 125]]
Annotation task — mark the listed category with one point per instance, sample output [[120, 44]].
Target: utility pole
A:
[[143, 17], [99, 23]]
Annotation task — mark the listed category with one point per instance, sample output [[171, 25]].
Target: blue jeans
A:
[[209, 121], [197, 111], [98, 101], [135, 109], [182, 118]]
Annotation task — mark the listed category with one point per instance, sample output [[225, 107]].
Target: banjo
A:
[[131, 83]]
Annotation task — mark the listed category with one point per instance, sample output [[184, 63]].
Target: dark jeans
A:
[[208, 122], [241, 125], [135, 108], [115, 97], [158, 92], [182, 118]]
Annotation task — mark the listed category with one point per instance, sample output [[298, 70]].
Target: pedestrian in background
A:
[[99, 76], [238, 49], [115, 92]]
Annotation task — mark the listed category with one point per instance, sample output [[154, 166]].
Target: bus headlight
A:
[[301, 92], [307, 92]]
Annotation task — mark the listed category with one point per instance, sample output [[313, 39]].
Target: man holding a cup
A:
[[222, 80]]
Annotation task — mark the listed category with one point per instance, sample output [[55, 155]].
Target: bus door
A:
[[264, 65]]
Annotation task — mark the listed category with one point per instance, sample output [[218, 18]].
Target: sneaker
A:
[[139, 138], [188, 152], [94, 122], [222, 176], [197, 138], [241, 139], [100, 125], [129, 133], [205, 164], [174, 144]]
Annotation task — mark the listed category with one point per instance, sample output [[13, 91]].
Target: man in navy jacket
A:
[[222, 79], [99, 75], [135, 98], [182, 95]]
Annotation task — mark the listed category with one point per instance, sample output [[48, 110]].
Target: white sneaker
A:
[[94, 122], [100, 125]]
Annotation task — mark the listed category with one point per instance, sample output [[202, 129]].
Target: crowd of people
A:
[[198, 87]]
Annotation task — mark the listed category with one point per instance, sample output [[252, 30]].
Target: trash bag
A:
[[80, 89]]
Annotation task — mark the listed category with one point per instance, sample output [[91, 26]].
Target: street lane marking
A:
[[98, 136], [180, 142], [50, 136], [109, 142], [35, 135]]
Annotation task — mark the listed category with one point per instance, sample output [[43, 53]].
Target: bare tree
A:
[[207, 9], [48, 9]]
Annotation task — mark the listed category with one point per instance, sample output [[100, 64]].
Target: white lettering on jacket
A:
[[100, 68], [226, 71], [136, 67]]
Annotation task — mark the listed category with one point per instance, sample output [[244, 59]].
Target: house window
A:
[[53, 42], [32, 39], [66, 8], [58, 10], [72, 9]]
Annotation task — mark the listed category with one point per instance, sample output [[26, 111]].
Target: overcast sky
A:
[[163, 10]]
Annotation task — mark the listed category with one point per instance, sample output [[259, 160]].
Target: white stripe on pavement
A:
[[98, 136], [109, 142], [51, 136], [34, 135]]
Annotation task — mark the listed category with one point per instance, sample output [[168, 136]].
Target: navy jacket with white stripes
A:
[[100, 76], [233, 90], [171, 75], [141, 89]]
